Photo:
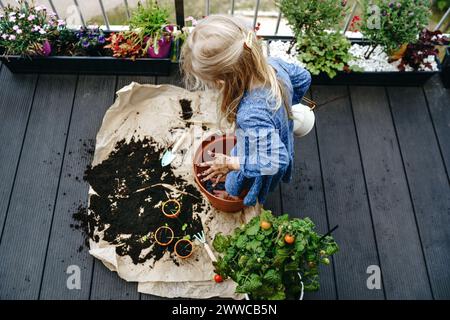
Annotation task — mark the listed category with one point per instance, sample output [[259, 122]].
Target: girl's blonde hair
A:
[[222, 52]]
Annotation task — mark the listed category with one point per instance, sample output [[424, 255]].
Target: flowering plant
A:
[[90, 40], [392, 24], [26, 29], [125, 45]]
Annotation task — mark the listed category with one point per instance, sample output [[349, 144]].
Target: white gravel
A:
[[378, 61]]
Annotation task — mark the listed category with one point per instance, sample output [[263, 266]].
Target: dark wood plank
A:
[[16, 97], [304, 197], [273, 202], [123, 81], [402, 261], [438, 99], [29, 219], [174, 78], [94, 95], [427, 181], [107, 285], [345, 193]]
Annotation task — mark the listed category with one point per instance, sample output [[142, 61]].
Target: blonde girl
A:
[[257, 93]]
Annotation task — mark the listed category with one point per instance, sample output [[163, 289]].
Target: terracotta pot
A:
[[399, 53], [160, 233], [171, 208], [163, 50], [218, 144], [184, 248]]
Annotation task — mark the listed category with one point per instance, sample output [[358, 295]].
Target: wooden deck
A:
[[377, 164]]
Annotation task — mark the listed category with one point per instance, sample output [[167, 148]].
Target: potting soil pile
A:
[[129, 187]]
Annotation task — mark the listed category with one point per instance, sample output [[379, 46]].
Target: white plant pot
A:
[[247, 297], [304, 119]]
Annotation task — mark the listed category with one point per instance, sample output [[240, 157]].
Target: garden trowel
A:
[[170, 154]]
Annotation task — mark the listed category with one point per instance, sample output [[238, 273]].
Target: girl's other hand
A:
[[218, 167], [225, 195]]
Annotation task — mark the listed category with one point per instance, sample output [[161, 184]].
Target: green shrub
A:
[[327, 52], [263, 264], [391, 24], [312, 16], [320, 46]]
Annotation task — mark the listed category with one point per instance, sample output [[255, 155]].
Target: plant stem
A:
[[367, 56]]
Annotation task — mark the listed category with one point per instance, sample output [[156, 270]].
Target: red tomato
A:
[[218, 278]]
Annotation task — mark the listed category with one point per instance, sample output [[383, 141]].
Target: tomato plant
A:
[[265, 265]]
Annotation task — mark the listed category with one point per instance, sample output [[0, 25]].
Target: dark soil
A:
[[124, 207], [209, 186], [186, 109]]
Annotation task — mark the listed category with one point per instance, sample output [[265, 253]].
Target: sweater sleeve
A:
[[300, 79], [259, 147]]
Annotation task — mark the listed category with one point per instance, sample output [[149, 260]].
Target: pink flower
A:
[[19, 31], [12, 14], [12, 19], [61, 23], [31, 17], [36, 28], [21, 16], [12, 37], [192, 20], [4, 36], [41, 31], [15, 27]]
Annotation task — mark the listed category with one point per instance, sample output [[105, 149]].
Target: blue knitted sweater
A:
[[265, 137]]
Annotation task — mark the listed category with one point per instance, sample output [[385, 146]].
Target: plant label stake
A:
[[170, 154]]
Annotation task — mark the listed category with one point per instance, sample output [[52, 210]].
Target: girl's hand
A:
[[218, 167], [225, 195]]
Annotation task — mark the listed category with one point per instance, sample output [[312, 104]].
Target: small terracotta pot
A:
[[399, 53], [219, 144], [184, 248], [170, 214], [159, 233]]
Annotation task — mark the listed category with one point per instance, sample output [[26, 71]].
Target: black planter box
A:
[[100, 65], [382, 78], [445, 74], [87, 65]]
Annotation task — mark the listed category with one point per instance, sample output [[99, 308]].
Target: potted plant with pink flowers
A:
[[25, 30]]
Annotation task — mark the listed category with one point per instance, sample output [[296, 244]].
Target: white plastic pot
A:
[[304, 119], [247, 297]]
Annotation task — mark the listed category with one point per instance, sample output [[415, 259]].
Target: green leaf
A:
[[253, 229], [221, 243], [272, 276]]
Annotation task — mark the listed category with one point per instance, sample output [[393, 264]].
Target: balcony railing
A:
[[273, 28]]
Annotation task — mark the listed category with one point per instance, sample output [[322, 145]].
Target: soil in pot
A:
[[127, 203], [171, 208], [184, 248], [164, 236], [215, 144]]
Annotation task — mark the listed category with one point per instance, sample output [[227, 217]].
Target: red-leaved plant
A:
[[416, 54]]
